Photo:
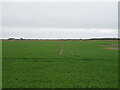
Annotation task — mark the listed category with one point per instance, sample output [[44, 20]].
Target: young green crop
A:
[[38, 64]]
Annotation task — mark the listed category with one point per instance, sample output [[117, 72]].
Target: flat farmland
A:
[[60, 64]]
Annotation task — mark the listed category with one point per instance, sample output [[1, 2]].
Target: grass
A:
[[38, 64]]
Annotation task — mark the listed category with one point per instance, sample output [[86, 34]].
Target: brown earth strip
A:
[[58, 40]]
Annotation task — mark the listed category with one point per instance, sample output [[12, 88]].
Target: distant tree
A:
[[21, 39], [11, 38]]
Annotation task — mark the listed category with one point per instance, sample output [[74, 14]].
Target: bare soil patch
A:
[[113, 48], [115, 45]]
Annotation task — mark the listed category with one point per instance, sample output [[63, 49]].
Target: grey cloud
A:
[[60, 15]]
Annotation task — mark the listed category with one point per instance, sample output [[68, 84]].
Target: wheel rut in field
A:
[[61, 50]]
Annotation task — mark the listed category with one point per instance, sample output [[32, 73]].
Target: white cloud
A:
[[57, 33]]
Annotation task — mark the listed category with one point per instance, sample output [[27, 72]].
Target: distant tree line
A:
[[65, 39], [104, 39]]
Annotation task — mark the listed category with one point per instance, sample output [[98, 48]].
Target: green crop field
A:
[[59, 64]]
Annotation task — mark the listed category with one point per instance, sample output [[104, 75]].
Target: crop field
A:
[[60, 64]]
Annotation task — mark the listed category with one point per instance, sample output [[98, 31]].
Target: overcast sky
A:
[[59, 20]]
